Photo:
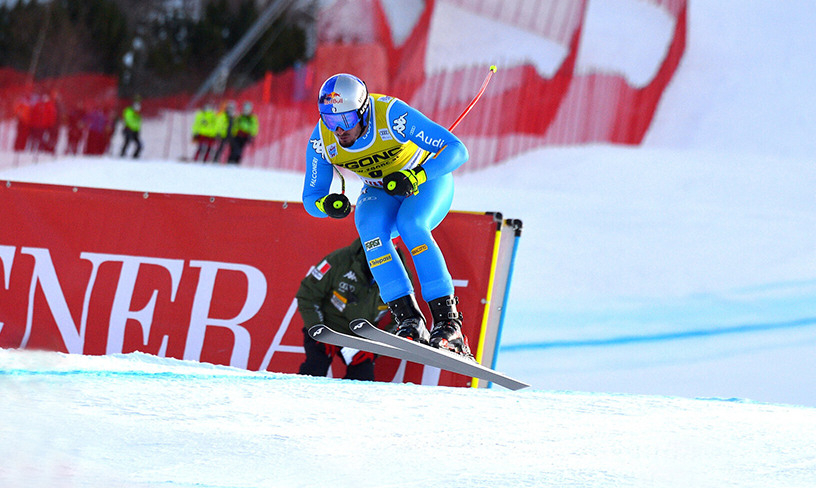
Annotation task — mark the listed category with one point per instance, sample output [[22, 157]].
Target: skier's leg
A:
[[417, 216], [374, 216]]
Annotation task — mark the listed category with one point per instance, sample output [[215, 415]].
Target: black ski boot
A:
[[447, 326], [410, 322]]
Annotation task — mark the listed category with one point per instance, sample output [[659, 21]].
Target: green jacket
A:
[[132, 119], [204, 124], [246, 125], [225, 125], [340, 289]]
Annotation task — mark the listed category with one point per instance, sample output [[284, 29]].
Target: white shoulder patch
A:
[[317, 145]]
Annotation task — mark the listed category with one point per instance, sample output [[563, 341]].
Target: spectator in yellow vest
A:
[[245, 129], [224, 122], [132, 117], [205, 130]]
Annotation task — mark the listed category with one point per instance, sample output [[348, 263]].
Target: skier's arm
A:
[[317, 183], [450, 152]]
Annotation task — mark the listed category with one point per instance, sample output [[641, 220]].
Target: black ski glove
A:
[[404, 183], [335, 205]]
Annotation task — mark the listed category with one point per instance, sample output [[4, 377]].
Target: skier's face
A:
[[347, 137]]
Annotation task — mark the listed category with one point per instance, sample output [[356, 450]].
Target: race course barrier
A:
[[211, 279]]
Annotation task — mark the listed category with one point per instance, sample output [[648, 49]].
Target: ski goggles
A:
[[345, 120]]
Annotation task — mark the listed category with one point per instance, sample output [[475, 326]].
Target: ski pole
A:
[[342, 180], [470, 105], [476, 98]]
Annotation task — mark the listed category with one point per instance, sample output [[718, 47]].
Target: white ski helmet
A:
[[343, 102]]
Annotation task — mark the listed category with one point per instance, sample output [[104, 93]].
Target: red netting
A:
[[520, 111]]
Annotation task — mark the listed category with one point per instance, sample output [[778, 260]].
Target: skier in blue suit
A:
[[405, 161]]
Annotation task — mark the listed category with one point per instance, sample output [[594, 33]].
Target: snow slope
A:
[[134, 421]]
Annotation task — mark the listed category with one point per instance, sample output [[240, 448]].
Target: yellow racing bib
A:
[[382, 154]]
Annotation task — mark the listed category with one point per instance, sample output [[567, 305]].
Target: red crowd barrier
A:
[[90, 271]]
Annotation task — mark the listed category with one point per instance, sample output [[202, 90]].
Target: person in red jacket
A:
[[99, 127], [51, 123], [76, 127], [22, 111], [38, 121]]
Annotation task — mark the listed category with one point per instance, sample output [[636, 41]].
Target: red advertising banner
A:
[[211, 279]]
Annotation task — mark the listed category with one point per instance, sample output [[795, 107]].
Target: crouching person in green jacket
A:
[[337, 290]]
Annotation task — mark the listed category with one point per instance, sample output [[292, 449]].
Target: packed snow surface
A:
[[136, 420]]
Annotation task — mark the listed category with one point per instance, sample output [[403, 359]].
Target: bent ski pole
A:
[[470, 106], [475, 99]]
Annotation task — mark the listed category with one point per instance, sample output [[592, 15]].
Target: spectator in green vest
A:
[[132, 118], [225, 121], [205, 130], [245, 130]]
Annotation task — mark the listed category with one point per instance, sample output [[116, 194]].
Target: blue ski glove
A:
[[404, 183], [335, 205]]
